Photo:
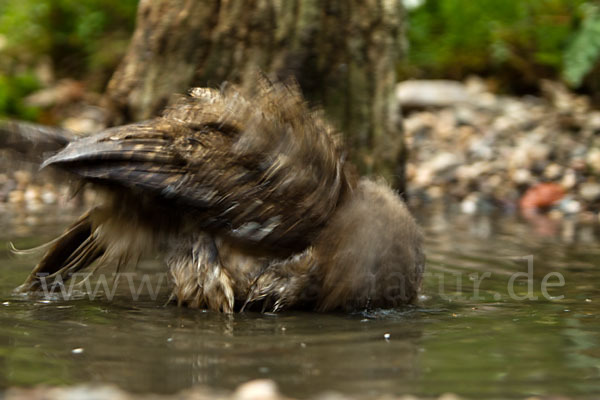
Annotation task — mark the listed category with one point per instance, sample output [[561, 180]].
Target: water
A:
[[471, 334]]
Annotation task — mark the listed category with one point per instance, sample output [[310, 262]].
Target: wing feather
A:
[[261, 167]]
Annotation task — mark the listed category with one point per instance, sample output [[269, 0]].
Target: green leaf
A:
[[583, 53]]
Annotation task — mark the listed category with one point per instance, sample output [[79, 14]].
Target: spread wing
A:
[[262, 168], [32, 140]]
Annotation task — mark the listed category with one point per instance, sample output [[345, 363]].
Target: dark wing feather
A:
[[261, 168], [32, 140]]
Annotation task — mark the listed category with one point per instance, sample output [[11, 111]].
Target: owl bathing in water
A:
[[252, 201]]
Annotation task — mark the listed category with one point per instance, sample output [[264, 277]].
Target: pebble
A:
[[449, 396], [522, 176], [49, 197], [32, 194], [553, 171], [469, 205], [590, 191], [23, 178], [570, 206], [16, 196], [593, 160], [569, 179], [259, 389]]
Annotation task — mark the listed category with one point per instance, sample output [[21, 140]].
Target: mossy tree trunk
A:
[[342, 52]]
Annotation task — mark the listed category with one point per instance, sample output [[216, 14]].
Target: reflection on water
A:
[[474, 333]]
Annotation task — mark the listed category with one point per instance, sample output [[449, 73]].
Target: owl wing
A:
[[262, 169], [32, 140]]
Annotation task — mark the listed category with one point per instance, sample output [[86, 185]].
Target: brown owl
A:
[[252, 201]]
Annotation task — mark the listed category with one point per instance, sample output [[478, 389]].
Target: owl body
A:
[[252, 201]]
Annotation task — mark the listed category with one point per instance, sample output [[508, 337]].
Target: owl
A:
[[249, 196]]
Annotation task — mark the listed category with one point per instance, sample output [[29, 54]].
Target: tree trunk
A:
[[343, 53]]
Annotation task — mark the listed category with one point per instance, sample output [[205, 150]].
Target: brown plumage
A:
[[250, 198]]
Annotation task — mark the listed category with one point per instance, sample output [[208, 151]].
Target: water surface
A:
[[470, 335]]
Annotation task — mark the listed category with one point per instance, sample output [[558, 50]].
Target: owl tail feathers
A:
[[75, 249]]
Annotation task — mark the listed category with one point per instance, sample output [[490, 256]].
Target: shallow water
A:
[[471, 336]]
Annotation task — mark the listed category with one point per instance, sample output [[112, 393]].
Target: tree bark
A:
[[343, 53]]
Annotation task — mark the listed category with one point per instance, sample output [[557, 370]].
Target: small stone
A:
[[423, 177], [48, 197], [465, 173], [449, 396], [589, 191], [23, 178], [593, 120], [469, 205], [78, 350], [387, 336], [569, 179], [16, 196], [32, 194], [494, 181], [570, 206], [593, 160], [444, 161], [521, 176], [259, 389], [435, 192], [553, 171], [556, 214], [408, 397]]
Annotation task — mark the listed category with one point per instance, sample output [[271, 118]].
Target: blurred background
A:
[[513, 44]]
